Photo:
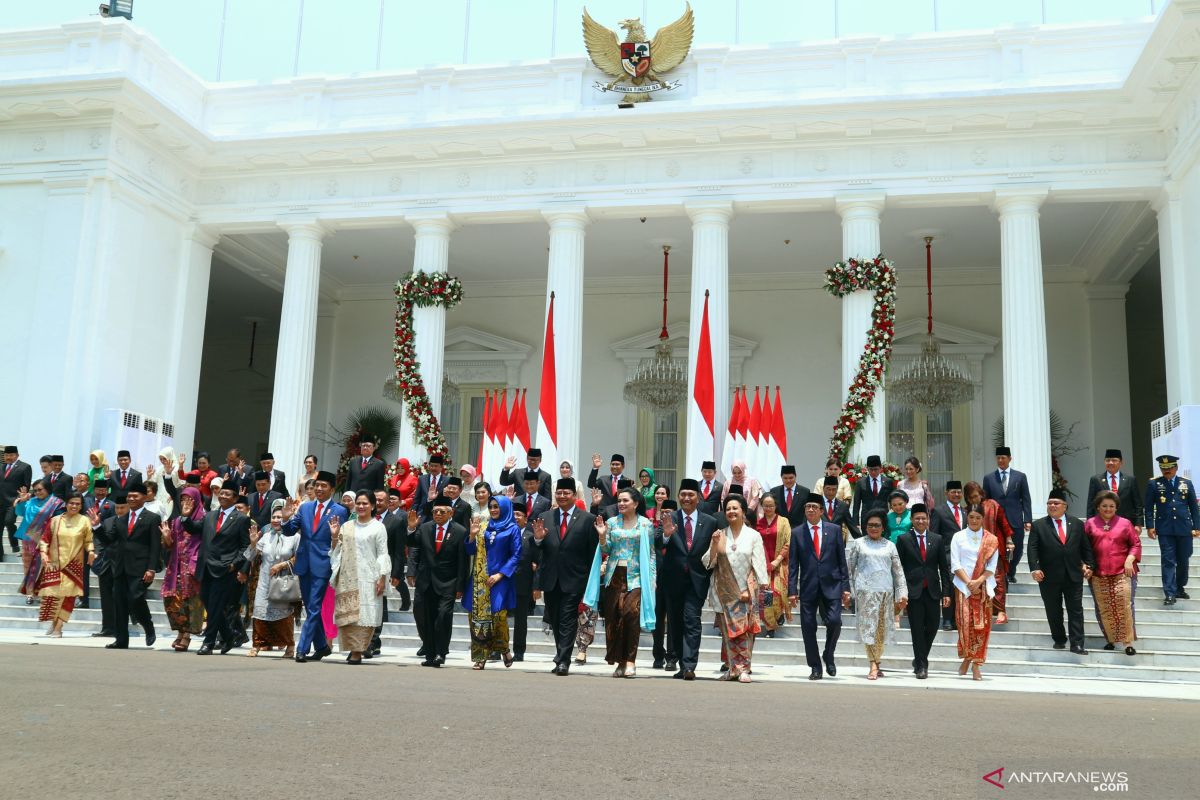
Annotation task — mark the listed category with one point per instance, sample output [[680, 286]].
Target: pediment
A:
[[910, 336], [465, 341], [642, 345]]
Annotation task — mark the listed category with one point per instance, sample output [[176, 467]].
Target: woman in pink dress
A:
[[1118, 550]]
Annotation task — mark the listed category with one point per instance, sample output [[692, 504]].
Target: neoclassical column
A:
[[1109, 362], [710, 272], [860, 239], [1023, 313], [564, 277], [431, 253], [1181, 347], [291, 400], [187, 335]]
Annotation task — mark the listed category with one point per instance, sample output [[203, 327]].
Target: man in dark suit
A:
[[609, 485], [261, 499], [533, 459], [60, 481], [311, 521], [836, 511], [367, 473], [236, 474], [96, 499], [429, 485], [1123, 484], [103, 513], [710, 489], [566, 539], [460, 510], [393, 510], [871, 491], [947, 519], [530, 494], [525, 581], [15, 474], [221, 567], [820, 581], [608, 511], [926, 564], [441, 577], [1010, 488], [124, 475], [684, 540], [665, 655], [266, 463], [1060, 560], [789, 496], [138, 539]]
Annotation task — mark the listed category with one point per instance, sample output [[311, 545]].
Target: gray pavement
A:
[[82, 722]]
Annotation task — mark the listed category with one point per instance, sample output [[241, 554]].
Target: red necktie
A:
[[441, 535], [220, 519], [687, 532], [132, 520], [921, 539], [122, 479], [830, 511], [957, 518], [788, 501], [816, 532], [707, 488], [562, 526], [1113, 480], [317, 517], [260, 502], [875, 486], [529, 504], [364, 466], [1062, 535], [7, 469], [614, 486]]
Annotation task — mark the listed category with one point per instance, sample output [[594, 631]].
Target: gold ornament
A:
[[630, 61]]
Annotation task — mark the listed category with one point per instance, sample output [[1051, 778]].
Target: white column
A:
[[1110, 370], [564, 277], [187, 335], [860, 239], [291, 401], [1023, 312], [431, 253], [710, 271], [1182, 349]]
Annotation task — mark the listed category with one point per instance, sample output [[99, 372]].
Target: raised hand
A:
[[718, 542], [107, 472], [596, 462], [596, 497], [539, 530], [510, 462], [476, 523], [668, 525], [149, 471], [23, 494], [289, 509], [601, 529], [94, 515], [165, 530], [182, 460], [413, 519], [255, 533]]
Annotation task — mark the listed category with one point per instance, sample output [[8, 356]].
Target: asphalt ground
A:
[[88, 723]]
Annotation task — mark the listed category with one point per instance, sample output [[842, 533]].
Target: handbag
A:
[[284, 588]]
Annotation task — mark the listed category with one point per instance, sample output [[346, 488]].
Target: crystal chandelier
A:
[[931, 383], [659, 384]]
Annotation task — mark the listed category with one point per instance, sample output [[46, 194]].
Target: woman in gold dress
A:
[[63, 549]]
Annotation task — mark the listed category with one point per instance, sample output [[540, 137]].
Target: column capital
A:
[[1170, 191], [431, 223], [576, 217], [1019, 199], [309, 228], [1106, 291], [201, 235], [709, 211], [860, 204]]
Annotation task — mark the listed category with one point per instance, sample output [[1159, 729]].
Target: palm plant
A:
[[1061, 446]]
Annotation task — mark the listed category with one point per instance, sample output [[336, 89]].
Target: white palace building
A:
[[220, 255]]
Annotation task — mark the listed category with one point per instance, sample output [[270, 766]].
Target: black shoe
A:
[[946, 626], [770, 634], [658, 664], [679, 674], [831, 668], [724, 668], [1079, 651], [562, 669], [225, 648], [406, 607], [374, 651], [439, 661], [1170, 601], [1060, 645], [671, 665], [1012, 579], [324, 651], [151, 638], [109, 634], [205, 650], [355, 662], [429, 662], [1129, 651], [690, 675], [1181, 595], [115, 646], [519, 657], [815, 675], [1110, 646], [83, 604], [241, 640], [301, 658]]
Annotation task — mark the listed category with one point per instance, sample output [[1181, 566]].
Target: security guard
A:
[[1172, 512]]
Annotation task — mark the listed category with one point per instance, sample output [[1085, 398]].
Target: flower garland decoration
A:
[[877, 275], [420, 290]]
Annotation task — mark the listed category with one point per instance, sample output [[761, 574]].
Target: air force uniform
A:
[[1173, 514]]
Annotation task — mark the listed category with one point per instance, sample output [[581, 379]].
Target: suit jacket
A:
[[370, 479], [526, 578], [799, 495], [712, 504], [841, 516], [864, 500], [566, 564], [517, 475], [540, 505], [397, 540], [1129, 496], [462, 513], [810, 577], [312, 554], [114, 480], [424, 495], [680, 566], [607, 496], [138, 550], [443, 571], [260, 507], [62, 486], [243, 480], [221, 552], [930, 574], [941, 522], [104, 540], [20, 475], [1016, 504], [1062, 563]]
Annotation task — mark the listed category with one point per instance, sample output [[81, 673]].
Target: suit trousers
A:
[[312, 590], [437, 611], [218, 593], [10, 527], [87, 585], [831, 617], [664, 638], [108, 615], [1054, 596], [923, 615], [684, 624], [129, 600], [1175, 551], [405, 598], [1018, 538], [562, 609], [521, 622]]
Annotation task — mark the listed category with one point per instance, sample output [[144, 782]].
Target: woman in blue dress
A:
[[495, 553]]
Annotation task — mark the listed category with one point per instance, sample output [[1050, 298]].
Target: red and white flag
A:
[[754, 450], [729, 451], [779, 430], [522, 426], [547, 423], [769, 463], [483, 440], [701, 441]]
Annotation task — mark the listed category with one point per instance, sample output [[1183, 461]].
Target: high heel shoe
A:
[[508, 659]]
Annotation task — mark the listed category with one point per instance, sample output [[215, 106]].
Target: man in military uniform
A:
[[1173, 514]]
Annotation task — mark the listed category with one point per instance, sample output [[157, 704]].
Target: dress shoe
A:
[[1181, 595], [563, 669], [815, 675], [518, 658], [679, 674], [241, 639], [946, 626], [429, 662], [1012, 579], [301, 658], [922, 674], [671, 665], [690, 675], [225, 648], [115, 646], [374, 651], [109, 634], [1060, 645], [151, 638], [658, 664], [831, 668], [421, 650], [406, 607], [439, 661], [1079, 651], [724, 668], [1129, 651], [83, 604], [1170, 601], [205, 650], [324, 651], [1110, 646], [355, 662]]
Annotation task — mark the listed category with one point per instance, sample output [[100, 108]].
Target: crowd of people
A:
[[241, 552]]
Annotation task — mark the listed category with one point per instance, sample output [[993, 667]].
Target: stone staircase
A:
[[1168, 645]]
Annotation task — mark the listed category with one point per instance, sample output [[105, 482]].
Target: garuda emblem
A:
[[637, 63]]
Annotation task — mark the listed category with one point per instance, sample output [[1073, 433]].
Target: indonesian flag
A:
[[701, 443], [494, 463], [754, 449], [769, 463], [729, 451], [779, 430], [505, 437], [743, 434], [522, 427], [483, 440], [547, 423]]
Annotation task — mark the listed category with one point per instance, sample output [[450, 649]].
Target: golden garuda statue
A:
[[631, 61]]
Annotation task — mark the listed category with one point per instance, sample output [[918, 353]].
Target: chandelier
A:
[[661, 383], [931, 383]]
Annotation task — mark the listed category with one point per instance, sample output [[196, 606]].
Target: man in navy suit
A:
[[1010, 488], [367, 473], [684, 579], [820, 581], [429, 486], [311, 521]]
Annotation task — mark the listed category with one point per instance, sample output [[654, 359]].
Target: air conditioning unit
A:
[[1178, 434], [141, 435]]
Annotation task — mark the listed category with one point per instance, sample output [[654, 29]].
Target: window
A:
[[463, 432], [659, 447], [940, 439]]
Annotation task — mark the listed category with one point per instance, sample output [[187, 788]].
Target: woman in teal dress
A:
[[627, 541], [899, 519]]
